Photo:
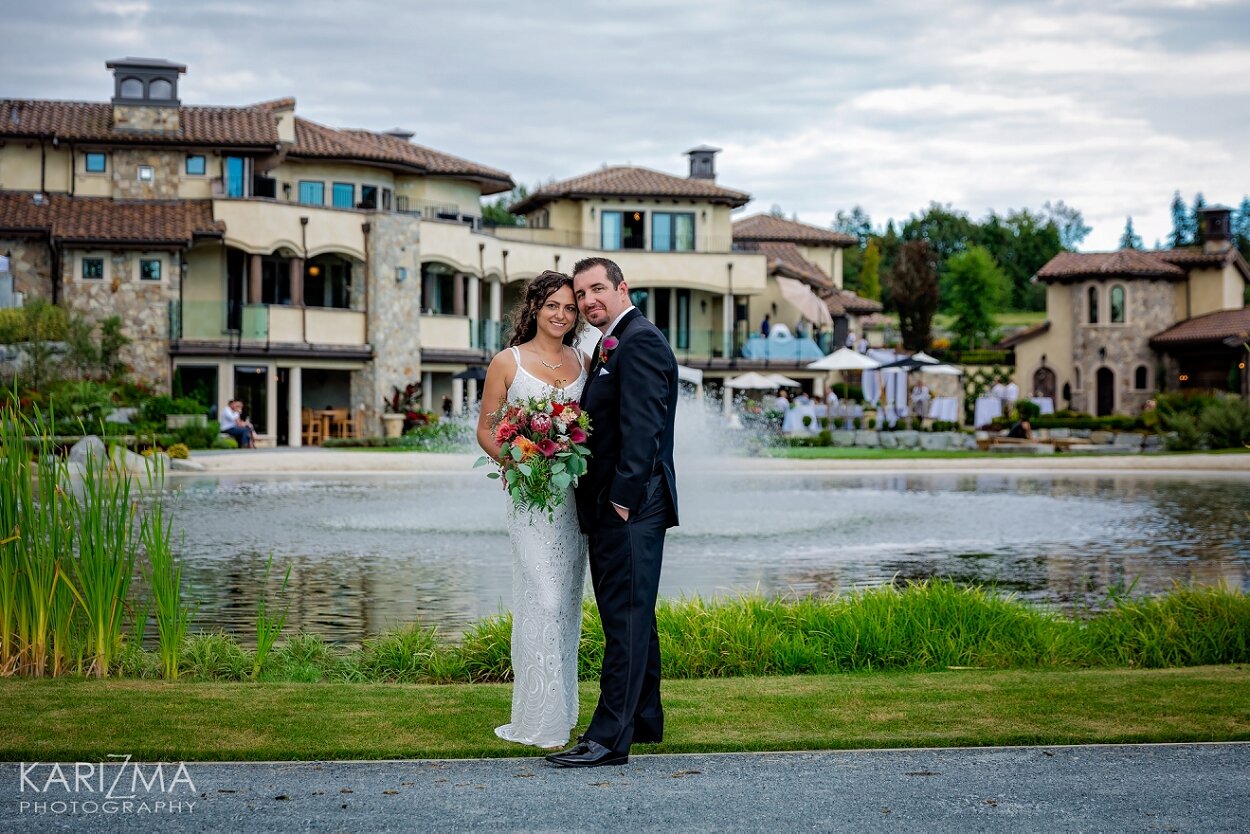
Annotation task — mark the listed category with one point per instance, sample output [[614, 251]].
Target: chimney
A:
[[400, 133], [145, 94], [1216, 229], [703, 162]]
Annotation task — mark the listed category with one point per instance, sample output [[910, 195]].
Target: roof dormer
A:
[[145, 94]]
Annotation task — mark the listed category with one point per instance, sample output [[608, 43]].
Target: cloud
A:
[[985, 104]]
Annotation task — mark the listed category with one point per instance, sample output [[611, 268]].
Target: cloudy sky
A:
[[1109, 106]]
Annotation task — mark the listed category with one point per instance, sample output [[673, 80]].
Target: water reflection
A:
[[370, 552]]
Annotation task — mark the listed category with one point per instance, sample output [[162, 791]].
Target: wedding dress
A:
[[548, 576]]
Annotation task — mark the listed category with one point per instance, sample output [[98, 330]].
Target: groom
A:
[[625, 502]]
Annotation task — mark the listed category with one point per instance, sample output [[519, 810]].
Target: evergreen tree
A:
[[495, 213], [913, 287], [1195, 219], [1130, 239], [977, 288], [1180, 235], [870, 272], [1241, 227], [1069, 222]]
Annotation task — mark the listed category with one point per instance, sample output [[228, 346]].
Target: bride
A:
[[548, 556]]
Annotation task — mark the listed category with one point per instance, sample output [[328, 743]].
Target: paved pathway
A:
[[1183, 787]]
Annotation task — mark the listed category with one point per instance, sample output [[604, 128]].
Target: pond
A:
[[370, 552]]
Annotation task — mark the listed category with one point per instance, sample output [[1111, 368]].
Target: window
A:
[[368, 196], [683, 320], [92, 269], [132, 88], [196, 166], [386, 199], [312, 193], [96, 163], [672, 232], [144, 173], [622, 230], [160, 90], [236, 176], [150, 269], [344, 195], [1141, 378], [1093, 305], [1117, 305]]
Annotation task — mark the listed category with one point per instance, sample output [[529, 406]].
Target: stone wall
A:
[[1149, 308], [167, 167], [142, 305], [145, 118], [393, 320], [30, 263]]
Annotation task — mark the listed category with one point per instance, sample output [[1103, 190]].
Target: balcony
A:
[[460, 339], [220, 326], [260, 225], [744, 349], [592, 240]]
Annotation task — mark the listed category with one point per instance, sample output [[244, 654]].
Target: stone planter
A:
[[181, 421], [393, 424]]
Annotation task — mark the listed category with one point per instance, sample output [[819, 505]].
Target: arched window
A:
[[1093, 305], [1117, 304], [132, 88], [160, 90], [1076, 378], [1141, 378]]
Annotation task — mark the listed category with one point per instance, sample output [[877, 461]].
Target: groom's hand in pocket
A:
[[621, 511]]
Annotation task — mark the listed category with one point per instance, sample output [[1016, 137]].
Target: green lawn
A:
[[1014, 318], [85, 720]]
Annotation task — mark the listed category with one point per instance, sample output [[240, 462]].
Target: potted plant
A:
[[401, 406]]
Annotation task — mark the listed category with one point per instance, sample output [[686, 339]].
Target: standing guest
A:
[[1011, 393], [766, 326], [920, 400], [782, 403], [232, 423], [800, 329], [803, 399], [831, 398], [446, 405], [850, 339]]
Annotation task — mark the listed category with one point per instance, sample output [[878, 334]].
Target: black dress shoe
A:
[[587, 753]]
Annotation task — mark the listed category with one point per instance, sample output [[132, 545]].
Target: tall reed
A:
[[268, 627], [163, 574]]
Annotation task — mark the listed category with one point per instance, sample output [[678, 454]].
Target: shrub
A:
[[156, 409], [856, 422], [224, 441], [872, 423], [179, 451], [1184, 434], [199, 437], [1028, 410], [1226, 423]]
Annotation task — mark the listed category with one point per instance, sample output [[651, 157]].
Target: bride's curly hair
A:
[[525, 314]]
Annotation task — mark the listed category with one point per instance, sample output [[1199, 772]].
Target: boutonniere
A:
[[609, 345]]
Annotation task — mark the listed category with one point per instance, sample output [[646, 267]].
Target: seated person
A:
[[1021, 429], [233, 424]]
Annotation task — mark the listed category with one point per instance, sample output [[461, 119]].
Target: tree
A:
[[1020, 243], [977, 287], [1068, 222], [1180, 235], [775, 210], [495, 213], [1241, 227], [913, 287], [1130, 239], [869, 274], [1196, 235], [856, 223]]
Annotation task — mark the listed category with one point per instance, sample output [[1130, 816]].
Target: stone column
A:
[[727, 322], [271, 403], [457, 308], [297, 282], [472, 392], [496, 304], [253, 279], [295, 402], [457, 397]]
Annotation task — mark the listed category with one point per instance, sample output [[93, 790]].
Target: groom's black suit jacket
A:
[[631, 399]]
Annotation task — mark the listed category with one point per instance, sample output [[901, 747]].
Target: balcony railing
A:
[[264, 323], [593, 239]]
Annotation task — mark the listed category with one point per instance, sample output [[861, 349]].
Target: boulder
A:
[[867, 438], [1083, 433], [1060, 432], [90, 447], [935, 441], [842, 439], [1024, 449], [185, 465], [127, 461], [888, 440], [1101, 437], [908, 439], [1129, 439], [1152, 443]]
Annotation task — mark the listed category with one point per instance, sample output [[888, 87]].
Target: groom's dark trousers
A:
[[631, 399]]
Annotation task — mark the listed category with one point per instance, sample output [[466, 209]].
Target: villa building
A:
[[250, 251], [1122, 325]]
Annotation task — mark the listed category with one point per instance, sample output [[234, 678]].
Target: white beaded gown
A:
[[549, 561]]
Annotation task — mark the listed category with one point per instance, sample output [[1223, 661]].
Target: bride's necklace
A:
[[550, 366]]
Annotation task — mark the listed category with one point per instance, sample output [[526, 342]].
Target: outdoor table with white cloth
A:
[[945, 409]]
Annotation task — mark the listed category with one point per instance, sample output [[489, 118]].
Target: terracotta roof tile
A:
[[854, 304], [767, 227], [1070, 266], [785, 259], [1231, 327], [628, 181], [313, 140], [82, 121], [103, 220]]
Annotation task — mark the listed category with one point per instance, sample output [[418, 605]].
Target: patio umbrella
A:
[[844, 359], [941, 370], [752, 381], [472, 372], [780, 381]]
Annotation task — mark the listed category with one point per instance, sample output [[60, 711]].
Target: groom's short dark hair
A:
[[614, 272]]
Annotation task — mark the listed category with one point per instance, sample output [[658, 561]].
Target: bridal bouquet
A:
[[541, 451]]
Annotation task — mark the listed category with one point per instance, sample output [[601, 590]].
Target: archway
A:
[[1044, 383], [1106, 391]]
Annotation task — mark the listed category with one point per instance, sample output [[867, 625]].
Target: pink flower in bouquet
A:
[[577, 435], [540, 423], [567, 417], [548, 447], [504, 431]]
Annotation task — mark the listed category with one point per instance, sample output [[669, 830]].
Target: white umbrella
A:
[[924, 357], [780, 381], [751, 382], [844, 359], [941, 370]]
